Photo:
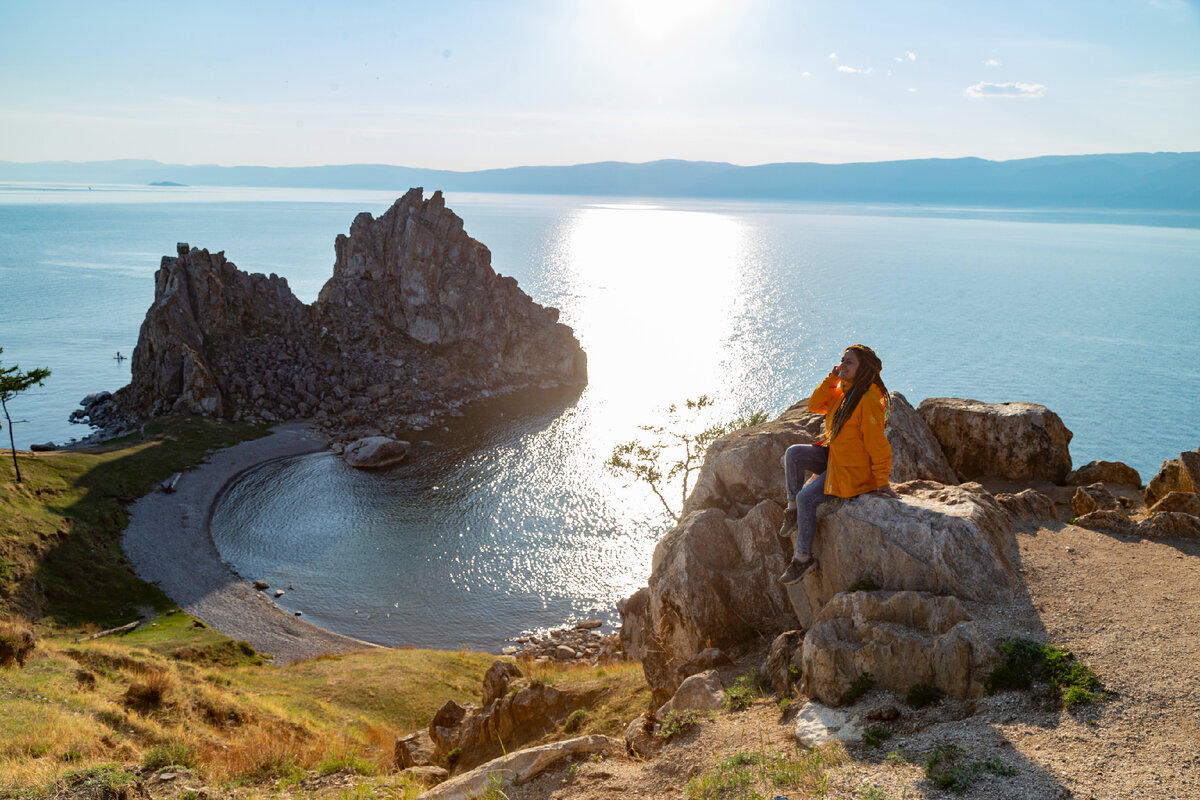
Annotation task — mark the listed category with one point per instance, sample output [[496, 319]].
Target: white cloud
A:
[[984, 89], [909, 55], [844, 68], [805, 74], [833, 55], [991, 62], [914, 91]]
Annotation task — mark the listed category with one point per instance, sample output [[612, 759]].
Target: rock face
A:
[[1177, 475], [413, 321], [714, 580], [1018, 441]]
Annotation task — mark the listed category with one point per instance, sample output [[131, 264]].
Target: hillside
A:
[[1119, 180]]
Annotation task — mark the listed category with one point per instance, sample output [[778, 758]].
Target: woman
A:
[[854, 457]]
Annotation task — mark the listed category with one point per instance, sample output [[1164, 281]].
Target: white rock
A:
[[817, 724]]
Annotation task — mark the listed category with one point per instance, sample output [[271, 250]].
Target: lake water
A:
[[507, 520]]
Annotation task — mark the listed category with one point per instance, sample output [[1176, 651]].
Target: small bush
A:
[[575, 720], [945, 768], [350, 762], [151, 692], [875, 736], [1069, 682], [17, 640], [101, 780], [169, 755], [861, 685], [739, 696], [677, 722], [866, 583], [920, 695]]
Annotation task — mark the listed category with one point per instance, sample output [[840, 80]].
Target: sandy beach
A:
[[169, 544]]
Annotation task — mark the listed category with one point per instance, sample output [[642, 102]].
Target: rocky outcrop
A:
[[499, 775], [1016, 441], [1185, 502], [1094, 497], [1177, 475], [414, 320], [900, 639]]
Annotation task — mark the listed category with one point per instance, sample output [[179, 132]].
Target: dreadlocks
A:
[[869, 367]]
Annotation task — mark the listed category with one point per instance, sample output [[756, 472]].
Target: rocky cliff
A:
[[414, 321], [914, 590]]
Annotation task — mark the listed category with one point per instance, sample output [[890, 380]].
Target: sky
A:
[[468, 84]]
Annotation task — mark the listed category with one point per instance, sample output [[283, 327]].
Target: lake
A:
[[508, 520]]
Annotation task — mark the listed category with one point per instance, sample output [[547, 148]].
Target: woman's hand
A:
[[886, 491]]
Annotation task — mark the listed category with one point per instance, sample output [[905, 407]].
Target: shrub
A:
[[350, 761], [861, 685], [875, 736], [169, 755], [739, 696], [920, 695], [151, 692], [866, 583], [677, 722], [575, 720], [945, 768], [17, 640], [1070, 683]]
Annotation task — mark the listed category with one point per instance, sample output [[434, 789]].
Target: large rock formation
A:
[[714, 579], [413, 321]]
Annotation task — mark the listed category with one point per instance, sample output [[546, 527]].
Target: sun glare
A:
[[660, 19]]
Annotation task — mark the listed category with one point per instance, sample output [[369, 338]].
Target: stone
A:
[[1094, 497], [261, 586], [943, 540], [497, 679], [426, 774], [817, 724], [1114, 472], [635, 622], [703, 661], [588, 624], [900, 639], [1028, 505], [1014, 441], [1170, 524], [713, 579], [413, 750], [916, 453], [1184, 502], [374, 452], [700, 692], [641, 736], [781, 669], [1107, 521], [1177, 475], [44, 447], [502, 773]]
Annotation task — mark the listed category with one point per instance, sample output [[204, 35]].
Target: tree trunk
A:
[[11, 443]]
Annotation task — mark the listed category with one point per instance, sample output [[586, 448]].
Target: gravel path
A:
[[169, 544]]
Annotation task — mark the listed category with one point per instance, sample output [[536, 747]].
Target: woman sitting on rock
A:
[[853, 458]]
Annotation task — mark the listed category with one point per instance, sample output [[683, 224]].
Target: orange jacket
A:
[[860, 458]]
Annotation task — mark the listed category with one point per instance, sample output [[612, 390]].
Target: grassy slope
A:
[[91, 714]]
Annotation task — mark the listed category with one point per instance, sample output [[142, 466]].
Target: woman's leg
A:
[[797, 459], [811, 496]]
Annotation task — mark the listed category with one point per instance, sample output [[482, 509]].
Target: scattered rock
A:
[[1114, 472], [641, 736], [817, 724], [1168, 524], [1016, 441], [502, 773], [1107, 521], [702, 692], [374, 452], [1094, 497], [262, 586], [1028, 505]]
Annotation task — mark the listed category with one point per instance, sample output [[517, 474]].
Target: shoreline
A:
[[169, 544]]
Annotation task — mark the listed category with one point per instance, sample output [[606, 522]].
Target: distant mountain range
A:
[[1126, 180]]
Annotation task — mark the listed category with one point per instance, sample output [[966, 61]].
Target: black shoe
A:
[[797, 570], [789, 523]]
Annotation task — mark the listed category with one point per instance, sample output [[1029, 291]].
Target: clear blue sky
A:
[[466, 84]]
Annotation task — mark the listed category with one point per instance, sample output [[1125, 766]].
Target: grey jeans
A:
[[797, 459]]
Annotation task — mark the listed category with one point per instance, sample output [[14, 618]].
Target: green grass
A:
[[758, 776], [743, 692], [875, 736], [1068, 682], [679, 722], [860, 686], [60, 529], [946, 768]]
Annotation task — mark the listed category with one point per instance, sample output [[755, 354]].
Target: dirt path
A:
[[169, 544], [1128, 607]]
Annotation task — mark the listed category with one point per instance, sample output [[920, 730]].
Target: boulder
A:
[[374, 452], [706, 659], [641, 736], [525, 712], [945, 540], [714, 583], [900, 639], [1015, 441], [1094, 497], [701, 692], [1184, 502], [1114, 472], [413, 750], [781, 669], [1170, 524], [1029, 506], [1177, 475], [497, 679], [502, 773], [818, 724], [916, 453], [1107, 521], [426, 774]]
